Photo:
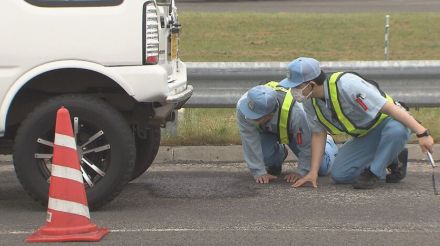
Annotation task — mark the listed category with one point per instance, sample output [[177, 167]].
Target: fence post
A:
[[171, 126], [387, 30]]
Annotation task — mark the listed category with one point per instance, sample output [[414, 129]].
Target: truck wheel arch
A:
[[29, 76]]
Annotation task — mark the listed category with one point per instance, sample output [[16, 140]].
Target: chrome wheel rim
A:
[[93, 152]]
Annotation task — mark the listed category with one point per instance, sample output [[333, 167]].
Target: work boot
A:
[[366, 180], [398, 169]]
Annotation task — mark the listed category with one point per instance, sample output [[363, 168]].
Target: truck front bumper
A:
[[180, 99], [151, 85]]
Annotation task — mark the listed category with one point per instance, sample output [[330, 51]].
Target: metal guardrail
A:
[[221, 84]]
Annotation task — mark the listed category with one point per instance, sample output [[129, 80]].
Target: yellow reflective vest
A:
[[284, 112], [346, 123]]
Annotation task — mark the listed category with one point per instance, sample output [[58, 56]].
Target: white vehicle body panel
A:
[[107, 40]]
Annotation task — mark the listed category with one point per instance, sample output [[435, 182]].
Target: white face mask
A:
[[298, 94]]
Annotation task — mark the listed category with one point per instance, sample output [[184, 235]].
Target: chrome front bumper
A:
[[181, 97]]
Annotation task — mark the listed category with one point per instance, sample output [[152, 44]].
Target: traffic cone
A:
[[68, 217]]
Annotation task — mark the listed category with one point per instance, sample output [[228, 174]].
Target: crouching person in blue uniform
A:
[[346, 102], [269, 119]]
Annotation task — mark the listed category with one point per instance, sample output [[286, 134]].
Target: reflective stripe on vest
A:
[[284, 113], [330, 127], [348, 125]]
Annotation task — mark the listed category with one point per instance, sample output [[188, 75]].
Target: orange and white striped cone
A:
[[68, 217]]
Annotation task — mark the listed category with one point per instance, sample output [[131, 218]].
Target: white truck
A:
[[113, 64]]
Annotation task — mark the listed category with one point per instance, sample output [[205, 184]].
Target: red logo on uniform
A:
[[299, 139], [361, 103]]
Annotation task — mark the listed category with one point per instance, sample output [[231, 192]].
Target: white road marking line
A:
[[256, 229]]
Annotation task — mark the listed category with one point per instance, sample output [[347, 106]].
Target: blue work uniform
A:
[[261, 147], [361, 102]]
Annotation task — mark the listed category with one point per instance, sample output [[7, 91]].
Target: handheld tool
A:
[[431, 160]]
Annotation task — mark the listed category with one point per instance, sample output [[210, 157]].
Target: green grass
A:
[[218, 127], [430, 118], [205, 127], [285, 36]]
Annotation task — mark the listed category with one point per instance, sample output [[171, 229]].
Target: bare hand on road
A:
[[292, 177], [265, 179], [312, 178]]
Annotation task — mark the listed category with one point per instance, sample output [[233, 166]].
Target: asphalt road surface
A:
[[213, 204], [308, 6]]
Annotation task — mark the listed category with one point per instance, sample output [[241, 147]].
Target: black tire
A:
[[93, 114], [146, 151]]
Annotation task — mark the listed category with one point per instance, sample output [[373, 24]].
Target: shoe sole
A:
[[404, 167]]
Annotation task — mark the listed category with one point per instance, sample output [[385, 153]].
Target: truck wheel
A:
[[104, 141], [146, 151]]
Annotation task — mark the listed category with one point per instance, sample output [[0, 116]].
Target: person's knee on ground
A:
[[273, 153], [274, 158], [331, 150]]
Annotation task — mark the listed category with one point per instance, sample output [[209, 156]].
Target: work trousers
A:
[[273, 153], [376, 151]]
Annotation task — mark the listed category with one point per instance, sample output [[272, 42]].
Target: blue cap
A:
[[301, 70], [259, 101]]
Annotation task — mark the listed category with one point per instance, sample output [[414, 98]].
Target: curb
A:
[[230, 154], [234, 153]]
